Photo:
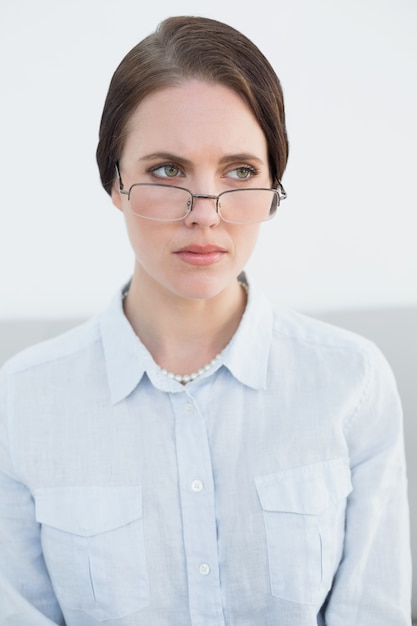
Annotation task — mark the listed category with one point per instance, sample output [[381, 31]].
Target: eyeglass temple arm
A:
[[119, 178], [281, 190]]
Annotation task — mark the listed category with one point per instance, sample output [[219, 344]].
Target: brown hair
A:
[[183, 48]]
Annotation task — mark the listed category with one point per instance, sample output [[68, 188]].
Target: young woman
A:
[[190, 457]]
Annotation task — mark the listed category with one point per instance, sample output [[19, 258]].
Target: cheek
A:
[[245, 242], [137, 234], [148, 239]]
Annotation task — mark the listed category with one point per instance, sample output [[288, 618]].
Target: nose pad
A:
[[202, 212]]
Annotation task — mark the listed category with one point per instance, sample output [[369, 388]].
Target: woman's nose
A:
[[204, 211]]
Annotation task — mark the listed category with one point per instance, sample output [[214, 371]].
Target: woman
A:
[[190, 457]]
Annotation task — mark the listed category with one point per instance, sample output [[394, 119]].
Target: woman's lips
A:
[[201, 255]]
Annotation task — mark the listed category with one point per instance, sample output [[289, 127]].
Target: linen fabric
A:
[[271, 491]]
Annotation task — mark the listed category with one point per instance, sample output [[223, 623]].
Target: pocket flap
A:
[[88, 510], [307, 490]]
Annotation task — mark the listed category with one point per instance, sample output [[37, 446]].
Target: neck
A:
[[184, 334]]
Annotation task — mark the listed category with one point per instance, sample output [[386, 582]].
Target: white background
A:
[[346, 236]]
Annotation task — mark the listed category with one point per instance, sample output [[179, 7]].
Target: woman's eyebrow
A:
[[241, 156], [166, 156]]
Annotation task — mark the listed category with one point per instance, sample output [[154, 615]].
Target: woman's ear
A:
[[116, 196]]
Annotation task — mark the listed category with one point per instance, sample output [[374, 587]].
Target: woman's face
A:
[[205, 138]]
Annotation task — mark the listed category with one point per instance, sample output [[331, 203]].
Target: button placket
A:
[[197, 507]]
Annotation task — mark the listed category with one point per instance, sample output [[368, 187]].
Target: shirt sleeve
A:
[[26, 594], [373, 584]]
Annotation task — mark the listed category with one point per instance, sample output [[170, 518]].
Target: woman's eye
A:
[[166, 171], [242, 173]]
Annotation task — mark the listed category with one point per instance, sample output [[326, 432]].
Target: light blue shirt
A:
[[271, 491]]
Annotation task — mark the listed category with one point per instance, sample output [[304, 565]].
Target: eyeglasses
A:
[[169, 203]]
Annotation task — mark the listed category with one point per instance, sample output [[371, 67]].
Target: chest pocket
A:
[[93, 544], [304, 514]]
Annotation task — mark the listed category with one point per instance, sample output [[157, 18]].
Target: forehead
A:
[[194, 111]]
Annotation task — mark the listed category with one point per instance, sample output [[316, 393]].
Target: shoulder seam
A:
[[369, 368]]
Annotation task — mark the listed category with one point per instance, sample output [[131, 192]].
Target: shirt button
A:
[[197, 486], [204, 569], [189, 408]]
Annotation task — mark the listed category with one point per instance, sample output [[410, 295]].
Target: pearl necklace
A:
[[186, 378]]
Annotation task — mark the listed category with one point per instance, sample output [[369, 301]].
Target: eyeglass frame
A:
[[280, 192]]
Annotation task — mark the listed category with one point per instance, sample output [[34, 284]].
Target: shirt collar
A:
[[247, 355], [127, 359]]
